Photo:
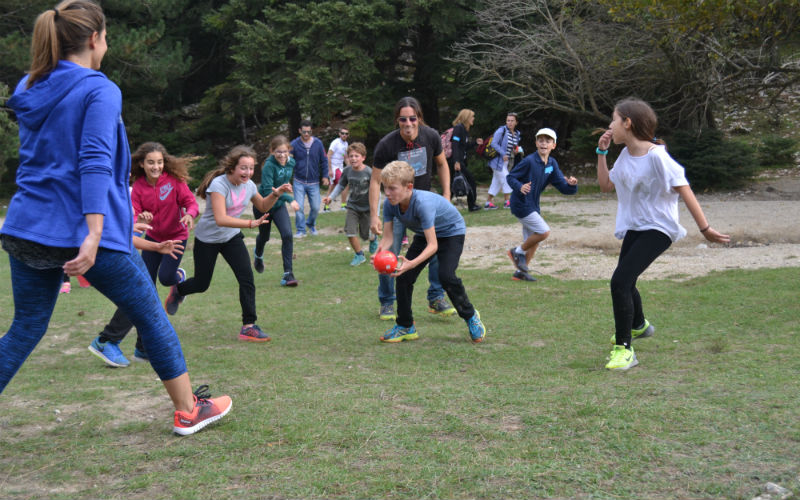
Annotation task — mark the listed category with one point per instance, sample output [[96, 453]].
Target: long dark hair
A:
[[60, 32], [409, 102], [176, 167], [226, 166]]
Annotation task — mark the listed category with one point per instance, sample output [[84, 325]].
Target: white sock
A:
[[519, 250]]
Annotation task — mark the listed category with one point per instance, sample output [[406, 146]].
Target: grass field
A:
[[326, 411]]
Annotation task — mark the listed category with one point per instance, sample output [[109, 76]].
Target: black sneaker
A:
[[258, 264], [518, 259], [288, 280], [173, 300], [521, 276]]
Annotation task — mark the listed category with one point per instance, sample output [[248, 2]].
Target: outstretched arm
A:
[[711, 234]]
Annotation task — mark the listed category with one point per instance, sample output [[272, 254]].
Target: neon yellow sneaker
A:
[[399, 333], [646, 330], [622, 358]]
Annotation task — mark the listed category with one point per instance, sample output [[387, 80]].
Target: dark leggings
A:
[[167, 269], [639, 250], [449, 253], [236, 255], [280, 217]]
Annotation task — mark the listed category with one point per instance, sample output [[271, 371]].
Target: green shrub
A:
[[775, 150], [712, 161]]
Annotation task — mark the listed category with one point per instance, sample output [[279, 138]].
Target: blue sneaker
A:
[[373, 245], [399, 333], [140, 355], [181, 275], [288, 279], [358, 259], [476, 329], [298, 235], [109, 352], [313, 231]]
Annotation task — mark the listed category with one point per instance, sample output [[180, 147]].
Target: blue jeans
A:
[[386, 283], [121, 277], [301, 190]]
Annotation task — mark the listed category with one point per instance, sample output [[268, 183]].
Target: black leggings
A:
[[639, 250], [236, 255], [280, 217], [449, 253]]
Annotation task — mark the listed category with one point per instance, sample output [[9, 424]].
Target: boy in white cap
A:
[[527, 181]]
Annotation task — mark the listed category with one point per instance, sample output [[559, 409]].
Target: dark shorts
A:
[[356, 224]]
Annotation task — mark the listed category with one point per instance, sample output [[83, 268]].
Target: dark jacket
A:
[[533, 170]]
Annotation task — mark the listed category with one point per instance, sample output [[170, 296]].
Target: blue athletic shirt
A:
[[426, 210]]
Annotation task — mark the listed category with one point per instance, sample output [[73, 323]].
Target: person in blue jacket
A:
[[527, 181], [311, 164], [72, 210]]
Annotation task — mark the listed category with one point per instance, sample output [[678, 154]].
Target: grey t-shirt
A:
[[236, 200], [358, 181]]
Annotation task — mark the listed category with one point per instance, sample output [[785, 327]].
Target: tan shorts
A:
[[356, 224]]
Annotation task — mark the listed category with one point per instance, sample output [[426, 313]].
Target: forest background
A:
[[203, 75]]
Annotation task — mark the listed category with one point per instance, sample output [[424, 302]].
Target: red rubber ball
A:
[[385, 262]]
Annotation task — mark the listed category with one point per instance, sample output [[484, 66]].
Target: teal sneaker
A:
[[622, 358], [358, 259], [476, 329], [373, 245], [441, 306], [646, 330], [109, 352], [399, 333]]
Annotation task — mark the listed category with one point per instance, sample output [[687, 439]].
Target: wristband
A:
[[706, 228], [601, 151]]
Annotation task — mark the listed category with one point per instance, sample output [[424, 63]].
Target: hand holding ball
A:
[[385, 262]]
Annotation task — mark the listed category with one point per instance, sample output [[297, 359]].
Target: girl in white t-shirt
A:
[[228, 190], [648, 183]]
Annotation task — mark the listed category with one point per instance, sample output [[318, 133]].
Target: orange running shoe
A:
[[83, 282], [206, 411]]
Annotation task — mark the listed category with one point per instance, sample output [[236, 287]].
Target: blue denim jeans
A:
[[301, 190], [386, 283], [121, 277]]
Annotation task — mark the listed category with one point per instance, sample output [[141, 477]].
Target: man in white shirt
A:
[[337, 160]]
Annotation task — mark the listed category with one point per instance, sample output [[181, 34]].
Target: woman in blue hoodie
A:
[[74, 167]]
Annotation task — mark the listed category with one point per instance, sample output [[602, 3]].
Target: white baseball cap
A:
[[548, 132]]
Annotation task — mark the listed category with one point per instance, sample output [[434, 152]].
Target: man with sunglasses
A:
[[337, 159], [421, 147], [311, 164]]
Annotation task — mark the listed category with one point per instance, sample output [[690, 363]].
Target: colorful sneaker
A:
[[387, 312], [181, 275], [253, 334], [288, 279], [326, 209], [405, 241], [399, 333], [358, 259], [476, 329], [373, 245], [83, 282], [520, 276], [206, 411], [646, 330], [489, 206], [344, 206], [258, 263], [66, 287], [173, 300], [109, 352], [622, 358], [441, 306], [519, 260], [140, 355], [507, 204]]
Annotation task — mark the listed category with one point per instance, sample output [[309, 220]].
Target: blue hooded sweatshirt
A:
[[74, 160], [532, 169]]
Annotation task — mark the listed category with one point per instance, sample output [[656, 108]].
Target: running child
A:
[[357, 176], [277, 171], [438, 230], [228, 189], [527, 181], [161, 199], [648, 183]]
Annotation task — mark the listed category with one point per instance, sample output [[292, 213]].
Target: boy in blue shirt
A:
[[527, 181], [438, 230]]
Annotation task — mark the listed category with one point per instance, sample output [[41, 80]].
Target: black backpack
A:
[[459, 185]]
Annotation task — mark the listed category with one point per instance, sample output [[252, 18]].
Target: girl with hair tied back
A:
[[72, 209]]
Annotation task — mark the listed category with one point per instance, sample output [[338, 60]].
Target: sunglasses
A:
[[404, 119], [305, 132], [344, 133]]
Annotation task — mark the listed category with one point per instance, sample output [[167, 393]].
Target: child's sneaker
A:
[[520, 276], [344, 206], [489, 206], [298, 235], [173, 300], [83, 282], [358, 259], [66, 287], [646, 330], [258, 264], [441, 306], [373, 245], [313, 231], [109, 352], [519, 259], [476, 329], [387, 312], [181, 275], [326, 208], [622, 358], [206, 410], [288, 279], [399, 333], [507, 204], [140, 355], [253, 334]]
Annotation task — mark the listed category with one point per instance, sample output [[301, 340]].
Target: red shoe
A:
[[253, 334], [83, 282], [206, 410]]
